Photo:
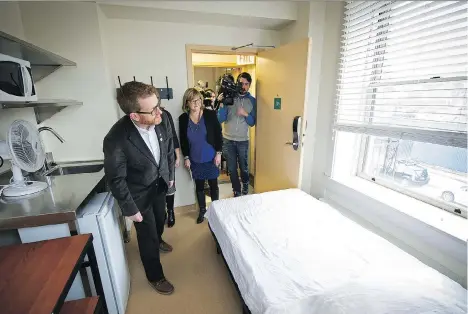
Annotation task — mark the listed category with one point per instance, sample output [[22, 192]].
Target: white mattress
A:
[[290, 253]]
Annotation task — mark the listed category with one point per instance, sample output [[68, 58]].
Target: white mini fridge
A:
[[101, 217]]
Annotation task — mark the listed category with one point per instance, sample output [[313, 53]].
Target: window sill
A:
[[440, 219]]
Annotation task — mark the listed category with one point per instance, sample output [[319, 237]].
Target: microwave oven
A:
[[16, 82]]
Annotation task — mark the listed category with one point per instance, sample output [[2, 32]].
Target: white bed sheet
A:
[[290, 253]]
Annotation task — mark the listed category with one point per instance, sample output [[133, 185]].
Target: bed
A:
[[290, 253]]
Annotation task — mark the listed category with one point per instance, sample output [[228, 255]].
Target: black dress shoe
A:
[[162, 286], [170, 218], [165, 247], [201, 216]]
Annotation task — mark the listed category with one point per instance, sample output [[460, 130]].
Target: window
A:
[[401, 107]]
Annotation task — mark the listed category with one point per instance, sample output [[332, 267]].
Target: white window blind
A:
[[403, 71]]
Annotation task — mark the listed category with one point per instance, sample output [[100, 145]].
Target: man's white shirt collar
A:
[[150, 138]]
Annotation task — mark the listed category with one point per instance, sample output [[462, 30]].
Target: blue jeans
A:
[[237, 152]]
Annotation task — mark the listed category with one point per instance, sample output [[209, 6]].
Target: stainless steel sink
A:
[[64, 170]]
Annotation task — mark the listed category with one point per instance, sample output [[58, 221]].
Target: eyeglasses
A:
[[196, 101], [152, 112]]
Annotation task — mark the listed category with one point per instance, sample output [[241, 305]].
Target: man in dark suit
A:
[[139, 167]]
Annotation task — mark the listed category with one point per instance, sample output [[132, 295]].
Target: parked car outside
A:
[[408, 173]]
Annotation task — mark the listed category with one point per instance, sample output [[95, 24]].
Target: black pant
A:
[[149, 234], [200, 187], [170, 202]]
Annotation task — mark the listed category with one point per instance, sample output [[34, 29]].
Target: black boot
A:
[[202, 205], [170, 218], [214, 193], [201, 216]]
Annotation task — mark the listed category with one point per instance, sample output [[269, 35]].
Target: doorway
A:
[[281, 89], [205, 71]]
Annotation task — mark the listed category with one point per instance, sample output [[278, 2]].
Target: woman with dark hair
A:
[[210, 98], [201, 142]]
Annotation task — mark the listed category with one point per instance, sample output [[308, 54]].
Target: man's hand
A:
[[241, 112], [177, 162], [217, 160], [187, 163], [136, 218], [171, 183]]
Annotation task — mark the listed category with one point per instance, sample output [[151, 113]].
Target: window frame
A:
[[377, 62], [360, 172]]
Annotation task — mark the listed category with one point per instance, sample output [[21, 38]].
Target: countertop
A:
[[56, 204]]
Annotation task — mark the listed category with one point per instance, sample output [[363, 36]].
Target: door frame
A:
[[305, 177], [207, 49]]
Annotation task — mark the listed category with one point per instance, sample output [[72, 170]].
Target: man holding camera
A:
[[237, 117]]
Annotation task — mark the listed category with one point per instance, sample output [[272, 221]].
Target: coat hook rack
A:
[[164, 92]]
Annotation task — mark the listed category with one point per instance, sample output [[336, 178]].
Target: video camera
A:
[[229, 88]]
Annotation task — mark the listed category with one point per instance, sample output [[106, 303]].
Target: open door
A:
[[281, 99]]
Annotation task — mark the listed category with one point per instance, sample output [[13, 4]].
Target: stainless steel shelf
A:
[[43, 109], [43, 62], [40, 103]]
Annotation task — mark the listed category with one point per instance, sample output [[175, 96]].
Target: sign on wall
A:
[[277, 103], [243, 60]]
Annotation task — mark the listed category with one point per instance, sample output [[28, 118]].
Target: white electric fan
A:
[[24, 147]]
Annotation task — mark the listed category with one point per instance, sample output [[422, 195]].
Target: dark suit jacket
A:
[[130, 168], [214, 135], [174, 133]]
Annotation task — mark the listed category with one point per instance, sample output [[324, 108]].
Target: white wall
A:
[[10, 19], [435, 248], [300, 28], [71, 29], [159, 57], [320, 131]]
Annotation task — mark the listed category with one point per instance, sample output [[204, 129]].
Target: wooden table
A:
[[35, 277], [83, 306]]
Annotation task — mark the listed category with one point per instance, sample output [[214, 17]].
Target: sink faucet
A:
[[46, 128], [49, 158]]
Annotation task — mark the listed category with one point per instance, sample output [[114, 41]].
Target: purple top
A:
[[200, 150]]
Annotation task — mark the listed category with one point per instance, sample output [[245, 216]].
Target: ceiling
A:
[[268, 15]]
